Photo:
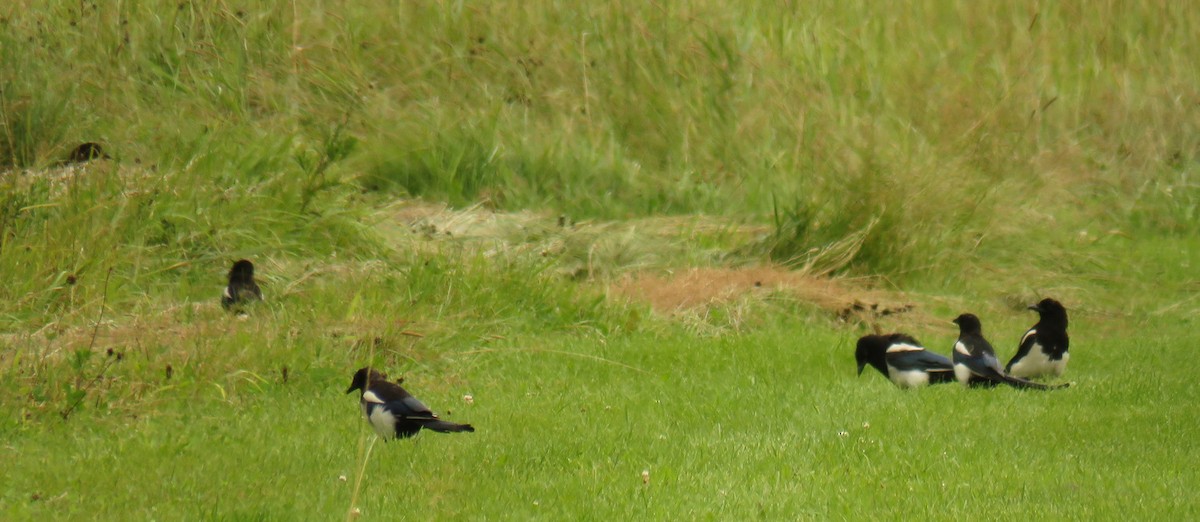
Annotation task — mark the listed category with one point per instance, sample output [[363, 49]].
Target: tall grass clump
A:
[[459, 166], [35, 111], [215, 158], [163, 228], [1169, 204], [729, 109], [470, 164], [907, 136]]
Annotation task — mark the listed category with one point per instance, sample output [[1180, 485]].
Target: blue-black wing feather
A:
[[922, 360]]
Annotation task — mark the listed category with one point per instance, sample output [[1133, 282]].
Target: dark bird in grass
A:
[[392, 411], [1043, 349], [85, 152], [975, 360], [242, 288], [902, 359]]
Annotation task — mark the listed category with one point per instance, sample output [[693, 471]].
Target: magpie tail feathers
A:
[[938, 377], [446, 426], [1018, 382]]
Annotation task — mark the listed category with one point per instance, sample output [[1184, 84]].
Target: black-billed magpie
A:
[[392, 411], [902, 359], [1043, 349], [242, 287], [975, 360], [83, 153]]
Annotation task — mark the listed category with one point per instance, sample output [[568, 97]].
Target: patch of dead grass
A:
[[697, 289], [583, 250]]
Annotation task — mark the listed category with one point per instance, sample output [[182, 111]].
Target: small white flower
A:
[[866, 425], [645, 476], [342, 478], [469, 399], [843, 433]]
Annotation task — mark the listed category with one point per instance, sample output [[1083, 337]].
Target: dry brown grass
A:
[[696, 289], [656, 261], [587, 250]]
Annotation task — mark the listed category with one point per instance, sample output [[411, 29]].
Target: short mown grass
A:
[[767, 425], [448, 191]]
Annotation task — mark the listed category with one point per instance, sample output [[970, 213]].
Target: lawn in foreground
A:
[[768, 424]]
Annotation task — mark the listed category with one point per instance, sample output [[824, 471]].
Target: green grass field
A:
[[633, 233]]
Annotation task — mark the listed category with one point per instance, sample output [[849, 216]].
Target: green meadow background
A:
[[642, 237]]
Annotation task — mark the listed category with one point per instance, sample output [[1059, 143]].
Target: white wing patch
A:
[[226, 292], [370, 396], [962, 348], [1026, 336], [903, 347]]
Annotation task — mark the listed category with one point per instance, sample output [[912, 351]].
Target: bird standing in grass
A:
[[392, 411], [975, 360], [85, 152], [1043, 349], [902, 359], [242, 288]]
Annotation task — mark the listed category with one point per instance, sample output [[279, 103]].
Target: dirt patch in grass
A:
[[698, 288]]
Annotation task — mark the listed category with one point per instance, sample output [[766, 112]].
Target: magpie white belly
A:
[[962, 373], [1036, 363], [908, 379], [382, 420]]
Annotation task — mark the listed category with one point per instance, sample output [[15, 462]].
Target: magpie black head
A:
[[242, 272], [364, 377], [968, 324], [1051, 311], [870, 350]]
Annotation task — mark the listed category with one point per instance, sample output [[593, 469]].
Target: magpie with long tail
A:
[[975, 360], [392, 411], [242, 288], [902, 359], [1043, 349]]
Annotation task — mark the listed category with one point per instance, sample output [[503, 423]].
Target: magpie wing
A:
[[1027, 341], [922, 360]]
